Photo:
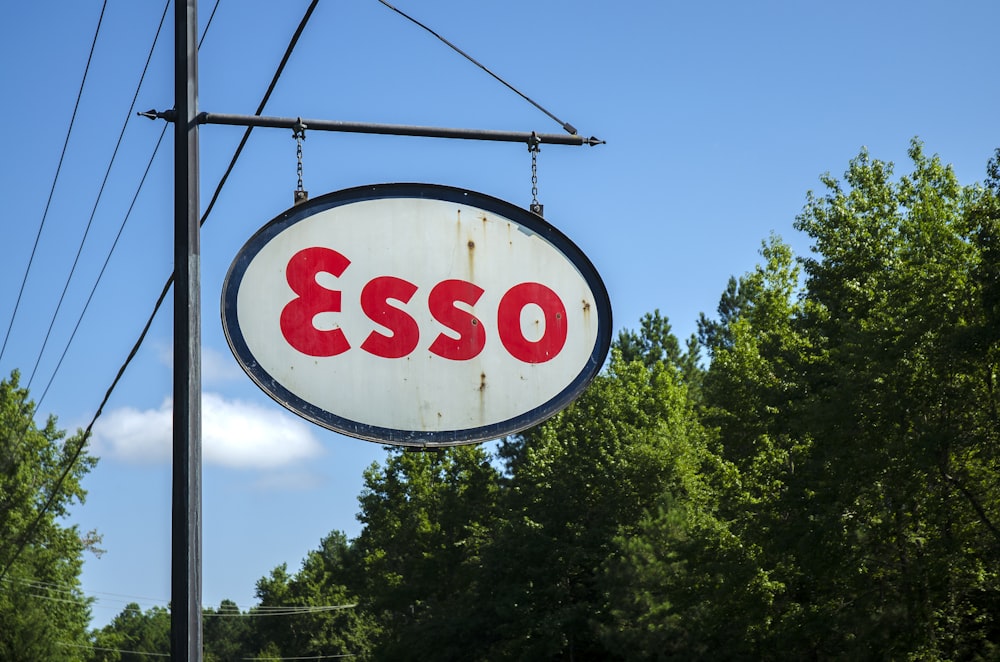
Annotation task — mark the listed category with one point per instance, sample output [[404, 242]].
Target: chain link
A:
[[299, 133], [533, 144], [298, 155], [534, 177]]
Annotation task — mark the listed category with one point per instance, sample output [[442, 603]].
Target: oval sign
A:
[[416, 314]]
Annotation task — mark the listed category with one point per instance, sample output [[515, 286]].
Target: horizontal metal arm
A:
[[529, 138]]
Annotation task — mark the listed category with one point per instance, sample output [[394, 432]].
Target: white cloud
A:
[[235, 434], [141, 437]]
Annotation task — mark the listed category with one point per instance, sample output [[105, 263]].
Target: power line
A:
[[285, 611], [75, 597], [159, 302], [113, 650], [100, 275], [208, 210], [26, 536], [208, 23], [275, 659], [69, 601], [55, 179], [569, 128], [121, 227], [260, 108], [49, 586], [215, 196], [100, 193], [252, 613]]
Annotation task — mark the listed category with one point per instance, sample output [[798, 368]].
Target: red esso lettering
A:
[[509, 322], [471, 334], [375, 302], [382, 300], [297, 316]]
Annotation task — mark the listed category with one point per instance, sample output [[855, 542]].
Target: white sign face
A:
[[415, 314]]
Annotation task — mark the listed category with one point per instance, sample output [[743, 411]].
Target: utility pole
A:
[[185, 582]]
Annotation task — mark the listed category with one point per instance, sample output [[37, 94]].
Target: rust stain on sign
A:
[[472, 260]]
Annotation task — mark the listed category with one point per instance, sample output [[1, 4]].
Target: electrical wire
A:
[[55, 179], [269, 659], [85, 436], [100, 275], [121, 227], [284, 611], [100, 193], [159, 302], [208, 23], [275, 659], [48, 586], [74, 597], [569, 128], [117, 650], [208, 210], [218, 189], [260, 108]]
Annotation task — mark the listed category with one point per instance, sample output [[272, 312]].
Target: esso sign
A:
[[416, 314]]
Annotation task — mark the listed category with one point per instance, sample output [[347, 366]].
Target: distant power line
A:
[[55, 179], [100, 275], [112, 650], [128, 213], [278, 659], [97, 201], [78, 451], [73, 596]]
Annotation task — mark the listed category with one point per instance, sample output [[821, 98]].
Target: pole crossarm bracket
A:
[[527, 137]]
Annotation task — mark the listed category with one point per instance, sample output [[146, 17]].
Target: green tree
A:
[[427, 517], [902, 480], [685, 587], [699, 579], [43, 613], [133, 635], [312, 613], [655, 343], [855, 502], [716, 334], [226, 633], [576, 484], [856, 415]]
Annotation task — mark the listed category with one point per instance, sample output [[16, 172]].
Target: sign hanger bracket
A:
[[526, 137]]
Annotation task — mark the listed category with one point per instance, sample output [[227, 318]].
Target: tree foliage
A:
[[43, 613], [427, 516], [311, 613], [857, 413], [134, 635]]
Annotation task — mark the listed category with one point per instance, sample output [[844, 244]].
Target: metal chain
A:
[[298, 155], [299, 133], [533, 147]]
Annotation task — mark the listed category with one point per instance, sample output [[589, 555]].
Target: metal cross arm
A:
[[381, 129]]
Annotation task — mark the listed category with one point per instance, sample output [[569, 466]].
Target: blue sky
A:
[[719, 117]]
